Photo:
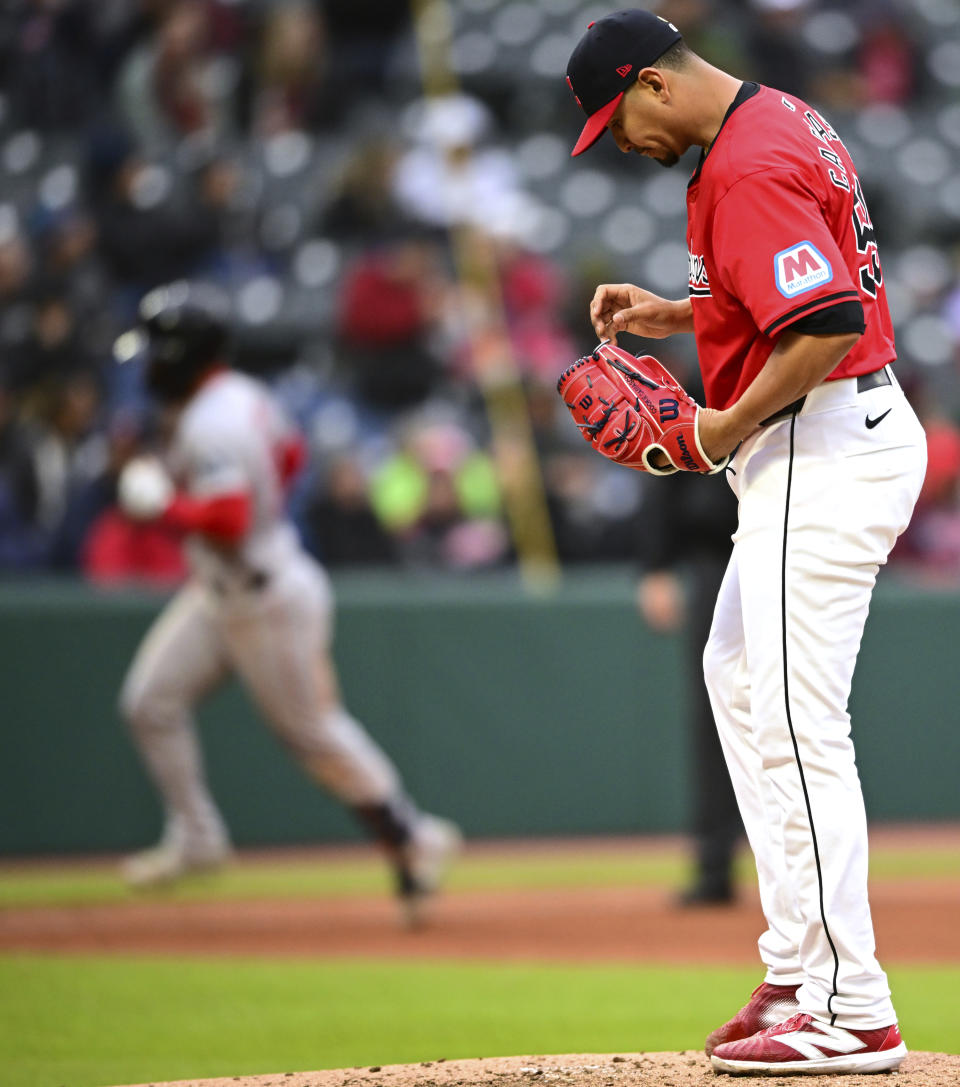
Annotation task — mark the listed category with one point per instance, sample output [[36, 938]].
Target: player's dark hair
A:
[[676, 58]]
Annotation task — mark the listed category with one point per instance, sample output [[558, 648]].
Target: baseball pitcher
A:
[[804, 415]]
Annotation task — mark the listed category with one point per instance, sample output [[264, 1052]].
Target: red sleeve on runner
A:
[[291, 456], [785, 263], [225, 517]]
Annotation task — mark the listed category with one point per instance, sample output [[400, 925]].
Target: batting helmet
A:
[[187, 328]]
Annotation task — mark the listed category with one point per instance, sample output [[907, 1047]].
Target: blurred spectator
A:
[[505, 319], [932, 540], [774, 41], [367, 43], [439, 496], [592, 507], [67, 248], [362, 206], [340, 520], [285, 148], [887, 58], [447, 178], [444, 538], [293, 89], [390, 300], [16, 261], [118, 551], [22, 543], [534, 292], [109, 547], [90, 536], [54, 348], [16, 312], [70, 268], [149, 232], [68, 448], [49, 62], [718, 41], [172, 86]]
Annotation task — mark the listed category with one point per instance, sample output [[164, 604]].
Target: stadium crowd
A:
[[285, 149]]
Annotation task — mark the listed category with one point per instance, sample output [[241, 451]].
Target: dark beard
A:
[[669, 160]]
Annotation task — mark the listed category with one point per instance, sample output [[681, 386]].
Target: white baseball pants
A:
[[823, 497]]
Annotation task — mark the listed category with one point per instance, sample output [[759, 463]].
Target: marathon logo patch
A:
[[800, 268]]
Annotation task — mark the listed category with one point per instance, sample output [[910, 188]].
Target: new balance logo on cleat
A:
[[804, 1045], [813, 1044]]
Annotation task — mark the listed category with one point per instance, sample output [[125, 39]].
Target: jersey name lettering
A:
[[822, 129], [871, 274], [839, 179]]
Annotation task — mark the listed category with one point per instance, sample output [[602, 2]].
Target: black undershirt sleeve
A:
[[833, 320]]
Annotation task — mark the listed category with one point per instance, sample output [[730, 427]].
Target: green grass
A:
[[89, 1022], [309, 878], [365, 874]]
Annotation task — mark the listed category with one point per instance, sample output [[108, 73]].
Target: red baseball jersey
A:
[[777, 229]]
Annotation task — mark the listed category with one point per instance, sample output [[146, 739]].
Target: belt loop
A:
[[874, 380]]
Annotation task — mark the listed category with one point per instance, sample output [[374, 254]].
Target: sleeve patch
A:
[[800, 268]]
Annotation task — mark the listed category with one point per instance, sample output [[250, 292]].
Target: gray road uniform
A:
[[260, 608]]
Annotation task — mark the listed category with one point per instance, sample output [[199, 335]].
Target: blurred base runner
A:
[[256, 606]]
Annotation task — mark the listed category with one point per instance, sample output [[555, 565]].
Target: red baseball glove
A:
[[630, 408]]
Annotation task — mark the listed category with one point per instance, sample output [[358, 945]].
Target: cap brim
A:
[[596, 126]]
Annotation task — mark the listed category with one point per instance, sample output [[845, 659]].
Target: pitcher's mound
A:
[[687, 1069]]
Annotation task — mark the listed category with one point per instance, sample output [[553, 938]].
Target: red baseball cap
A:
[[606, 60]]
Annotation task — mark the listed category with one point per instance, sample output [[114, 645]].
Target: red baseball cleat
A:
[[806, 1045], [768, 1005]]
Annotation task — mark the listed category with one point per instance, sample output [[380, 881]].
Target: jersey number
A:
[[871, 276]]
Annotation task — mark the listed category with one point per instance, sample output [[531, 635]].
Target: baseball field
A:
[[570, 956]]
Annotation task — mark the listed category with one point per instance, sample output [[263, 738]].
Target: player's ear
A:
[[652, 81]]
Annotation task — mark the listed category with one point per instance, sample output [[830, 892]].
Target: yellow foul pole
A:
[[495, 368]]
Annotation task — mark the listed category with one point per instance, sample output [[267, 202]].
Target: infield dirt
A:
[[915, 919]]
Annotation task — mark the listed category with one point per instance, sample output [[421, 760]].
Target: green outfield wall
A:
[[516, 714]]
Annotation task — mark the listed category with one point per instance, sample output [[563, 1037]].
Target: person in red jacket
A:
[[255, 604], [119, 550]]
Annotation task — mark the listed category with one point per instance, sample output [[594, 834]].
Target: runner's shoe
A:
[[768, 1005], [804, 1045], [423, 864], [169, 862]]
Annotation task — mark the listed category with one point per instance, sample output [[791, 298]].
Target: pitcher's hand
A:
[[622, 307]]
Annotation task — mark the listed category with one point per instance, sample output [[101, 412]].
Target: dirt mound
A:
[[687, 1069]]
